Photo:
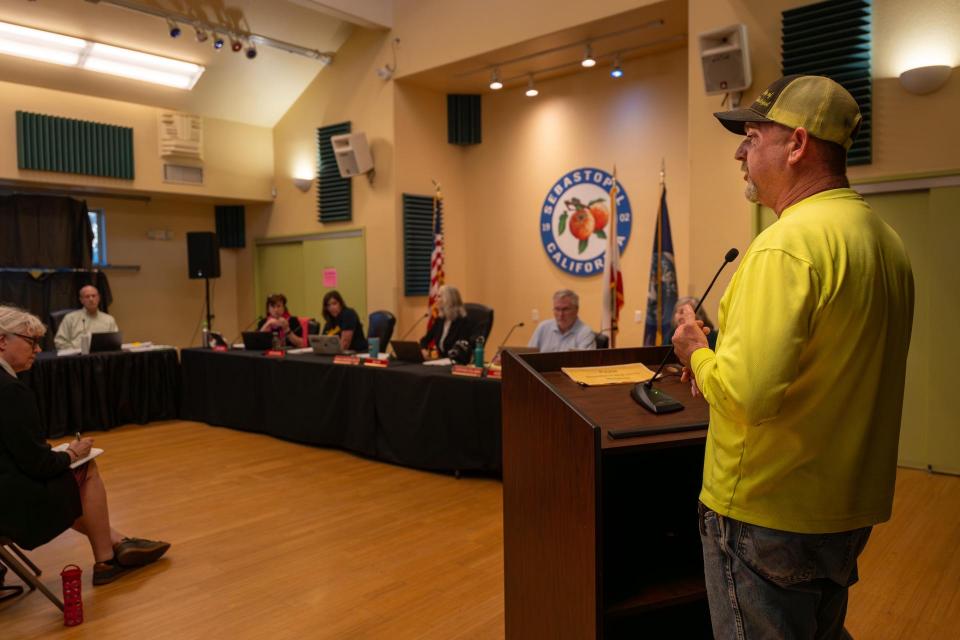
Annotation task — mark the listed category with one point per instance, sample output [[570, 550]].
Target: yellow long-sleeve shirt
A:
[[806, 385]]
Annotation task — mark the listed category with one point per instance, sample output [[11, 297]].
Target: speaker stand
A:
[[209, 315]]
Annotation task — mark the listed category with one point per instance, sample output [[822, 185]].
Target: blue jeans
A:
[[765, 583]]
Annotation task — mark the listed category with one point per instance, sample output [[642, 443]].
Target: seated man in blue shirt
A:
[[566, 332]]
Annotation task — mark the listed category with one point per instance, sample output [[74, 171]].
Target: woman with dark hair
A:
[[451, 335], [341, 320], [279, 321], [42, 495]]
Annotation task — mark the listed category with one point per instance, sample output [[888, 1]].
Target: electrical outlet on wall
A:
[[535, 314], [637, 315]]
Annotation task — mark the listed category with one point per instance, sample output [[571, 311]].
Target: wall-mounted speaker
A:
[[352, 153], [203, 254], [725, 59]]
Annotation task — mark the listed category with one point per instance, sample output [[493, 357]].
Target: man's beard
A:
[[751, 193]]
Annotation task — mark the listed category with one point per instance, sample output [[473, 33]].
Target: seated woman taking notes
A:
[[343, 321], [42, 495]]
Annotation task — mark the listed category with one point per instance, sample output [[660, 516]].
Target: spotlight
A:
[[588, 59], [201, 35], [531, 90], [174, 29], [217, 42], [251, 51], [495, 82], [236, 45], [617, 71]]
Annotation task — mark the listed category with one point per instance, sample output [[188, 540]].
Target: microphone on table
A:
[[414, 326], [504, 341], [657, 401]]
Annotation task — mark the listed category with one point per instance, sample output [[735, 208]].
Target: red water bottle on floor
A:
[[72, 600]]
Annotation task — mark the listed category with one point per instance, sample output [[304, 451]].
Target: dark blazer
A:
[[39, 497], [460, 329]]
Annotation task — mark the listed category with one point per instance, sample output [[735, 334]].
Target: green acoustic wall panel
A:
[[418, 242], [835, 39], [64, 145], [335, 194]]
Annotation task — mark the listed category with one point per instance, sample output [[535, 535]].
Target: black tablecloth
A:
[[104, 390], [413, 415]]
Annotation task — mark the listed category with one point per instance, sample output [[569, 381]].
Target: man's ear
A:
[[798, 145]]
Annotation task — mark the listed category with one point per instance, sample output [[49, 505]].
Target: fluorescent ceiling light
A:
[[94, 56]]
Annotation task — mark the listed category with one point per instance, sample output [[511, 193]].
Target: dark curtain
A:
[[46, 233]]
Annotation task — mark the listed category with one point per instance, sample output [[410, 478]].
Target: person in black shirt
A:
[[279, 321], [42, 495], [341, 320], [451, 335]]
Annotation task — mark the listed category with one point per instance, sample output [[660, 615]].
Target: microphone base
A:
[[654, 400]]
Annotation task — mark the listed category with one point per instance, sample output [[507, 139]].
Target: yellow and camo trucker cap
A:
[[818, 104]]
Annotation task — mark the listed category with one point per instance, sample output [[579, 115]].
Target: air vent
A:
[[181, 135], [182, 174]]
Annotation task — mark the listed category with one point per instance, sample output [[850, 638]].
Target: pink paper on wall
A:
[[330, 277]]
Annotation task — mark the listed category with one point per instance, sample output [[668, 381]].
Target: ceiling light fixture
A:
[[251, 51], [617, 71], [201, 34], [588, 59], [236, 45], [495, 82], [174, 28], [68, 51], [217, 41], [531, 90]]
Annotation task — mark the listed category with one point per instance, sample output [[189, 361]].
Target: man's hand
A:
[[687, 375], [80, 448], [689, 337]]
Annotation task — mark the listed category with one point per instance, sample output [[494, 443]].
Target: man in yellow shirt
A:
[[806, 384]]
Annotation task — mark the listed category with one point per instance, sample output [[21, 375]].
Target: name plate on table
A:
[[375, 362], [220, 347], [495, 374], [275, 353], [467, 370], [346, 360]]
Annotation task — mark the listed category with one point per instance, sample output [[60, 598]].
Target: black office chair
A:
[[481, 319], [56, 317], [380, 325], [602, 340]]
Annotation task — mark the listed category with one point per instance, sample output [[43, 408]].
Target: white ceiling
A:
[[234, 88]]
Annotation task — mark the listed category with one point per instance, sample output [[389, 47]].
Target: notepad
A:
[[94, 452], [614, 374]]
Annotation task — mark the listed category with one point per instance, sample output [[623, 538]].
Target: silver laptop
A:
[[325, 345]]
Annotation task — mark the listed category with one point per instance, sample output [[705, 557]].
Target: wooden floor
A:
[[276, 540]]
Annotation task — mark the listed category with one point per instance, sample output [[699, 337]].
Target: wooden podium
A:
[[601, 537]]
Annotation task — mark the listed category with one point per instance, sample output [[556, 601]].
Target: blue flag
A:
[[662, 294]]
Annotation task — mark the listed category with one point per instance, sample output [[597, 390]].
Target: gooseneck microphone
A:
[[657, 401], [414, 326], [504, 341]]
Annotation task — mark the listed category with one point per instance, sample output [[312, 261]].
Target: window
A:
[[99, 245]]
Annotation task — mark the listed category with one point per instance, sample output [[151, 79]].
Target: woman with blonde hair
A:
[[451, 335], [42, 495]]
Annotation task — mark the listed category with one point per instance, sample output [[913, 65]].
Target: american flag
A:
[[612, 277], [436, 260]]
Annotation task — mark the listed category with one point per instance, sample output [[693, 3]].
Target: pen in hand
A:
[[78, 435]]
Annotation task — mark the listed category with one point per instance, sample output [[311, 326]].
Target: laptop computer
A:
[[325, 345], [257, 340], [407, 350], [110, 341]]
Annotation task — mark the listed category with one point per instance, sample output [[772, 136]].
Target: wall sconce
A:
[[303, 184], [921, 80]]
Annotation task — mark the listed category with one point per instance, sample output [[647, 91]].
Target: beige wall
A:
[[436, 32], [587, 119], [911, 133], [348, 90], [238, 161], [159, 302]]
